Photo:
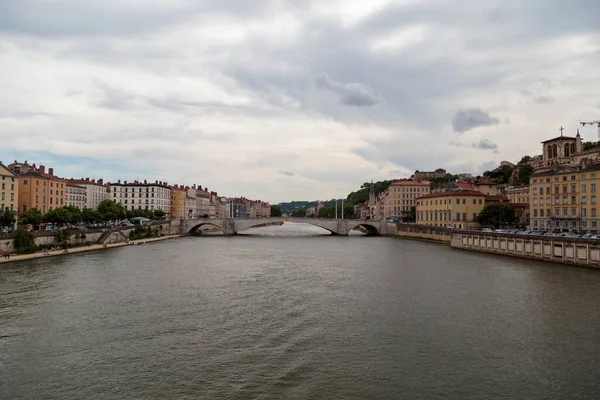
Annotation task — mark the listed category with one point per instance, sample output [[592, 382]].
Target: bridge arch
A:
[[194, 229], [371, 230]]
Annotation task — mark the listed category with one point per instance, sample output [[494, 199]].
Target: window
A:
[[541, 201], [541, 190], [535, 191], [573, 200], [593, 176], [556, 189], [535, 212], [572, 177], [583, 176], [593, 199], [583, 199], [458, 216], [564, 188], [583, 188], [584, 212], [464, 201], [573, 212], [541, 212], [593, 187], [474, 201], [593, 212], [573, 189], [593, 224], [564, 178], [557, 212], [24, 181], [535, 201], [565, 212], [464, 215]]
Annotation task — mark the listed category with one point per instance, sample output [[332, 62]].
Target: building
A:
[[76, 195], [506, 164], [428, 175], [144, 195], [454, 209], [178, 202], [10, 189], [487, 187], [37, 188], [190, 202], [403, 195], [203, 209], [95, 191], [517, 194]]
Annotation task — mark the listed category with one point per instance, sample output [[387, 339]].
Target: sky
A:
[[282, 100]]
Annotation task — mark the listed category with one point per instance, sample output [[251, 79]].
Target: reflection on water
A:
[[292, 229], [313, 317]]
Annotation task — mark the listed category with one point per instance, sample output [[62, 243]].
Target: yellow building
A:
[[178, 195], [452, 209], [402, 196], [487, 188], [566, 199], [10, 190], [38, 188]]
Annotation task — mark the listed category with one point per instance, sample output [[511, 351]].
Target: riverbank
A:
[[82, 249]]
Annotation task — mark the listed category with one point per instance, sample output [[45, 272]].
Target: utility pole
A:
[[335, 208], [342, 208]]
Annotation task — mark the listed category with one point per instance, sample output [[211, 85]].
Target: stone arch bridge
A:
[[231, 226]]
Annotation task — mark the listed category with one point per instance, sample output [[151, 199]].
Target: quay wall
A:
[[92, 236], [574, 251], [423, 232]]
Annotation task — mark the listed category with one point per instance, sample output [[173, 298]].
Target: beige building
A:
[[76, 195], [402, 196], [454, 209], [37, 188], [202, 203], [487, 188], [190, 202], [10, 190], [426, 175], [517, 194], [144, 195]]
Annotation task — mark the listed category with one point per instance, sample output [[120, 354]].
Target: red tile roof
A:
[[453, 193]]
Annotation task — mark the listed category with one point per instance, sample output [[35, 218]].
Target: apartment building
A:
[[518, 194], [95, 191], [456, 209], [76, 195], [144, 195], [38, 188], [178, 194], [403, 194], [10, 189]]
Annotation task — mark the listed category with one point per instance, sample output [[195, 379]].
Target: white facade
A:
[[95, 191], [202, 203], [76, 196], [142, 195]]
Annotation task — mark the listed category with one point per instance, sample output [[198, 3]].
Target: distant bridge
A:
[[231, 226]]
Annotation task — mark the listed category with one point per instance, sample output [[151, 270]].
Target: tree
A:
[[524, 160], [276, 211], [411, 216], [497, 215], [90, 216], [75, 216], [59, 216], [7, 218], [299, 212], [32, 216], [590, 145], [24, 240], [525, 172], [110, 210], [159, 213]]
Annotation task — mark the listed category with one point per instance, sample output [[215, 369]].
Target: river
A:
[[304, 317]]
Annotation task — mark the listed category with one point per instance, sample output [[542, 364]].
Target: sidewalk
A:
[[94, 247]]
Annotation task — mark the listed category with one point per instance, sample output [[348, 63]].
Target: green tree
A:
[[590, 145], [91, 216], [24, 240], [110, 210], [326, 212], [299, 212], [32, 216], [7, 218], [59, 216], [276, 211], [524, 160], [75, 216], [525, 172], [159, 213], [497, 215]]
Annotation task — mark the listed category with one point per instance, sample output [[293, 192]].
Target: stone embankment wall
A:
[[424, 232], [92, 236], [561, 250]]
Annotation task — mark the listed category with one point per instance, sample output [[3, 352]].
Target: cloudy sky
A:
[[291, 99]]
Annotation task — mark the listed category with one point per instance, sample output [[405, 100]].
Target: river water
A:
[[305, 317]]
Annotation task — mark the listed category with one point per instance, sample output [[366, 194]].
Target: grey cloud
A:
[[288, 173], [455, 143], [484, 144], [465, 120], [113, 98], [543, 99], [351, 94]]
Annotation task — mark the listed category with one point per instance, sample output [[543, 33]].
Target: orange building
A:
[[178, 194], [38, 188]]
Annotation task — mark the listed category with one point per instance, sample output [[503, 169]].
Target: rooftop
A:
[[453, 193]]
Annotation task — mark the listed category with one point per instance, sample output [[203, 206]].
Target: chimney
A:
[[145, 182], [42, 169], [87, 179], [101, 181], [119, 181], [125, 182], [93, 181], [51, 171]]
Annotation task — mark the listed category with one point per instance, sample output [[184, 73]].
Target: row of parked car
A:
[[544, 233]]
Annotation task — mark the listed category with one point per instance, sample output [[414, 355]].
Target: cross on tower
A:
[[561, 130]]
